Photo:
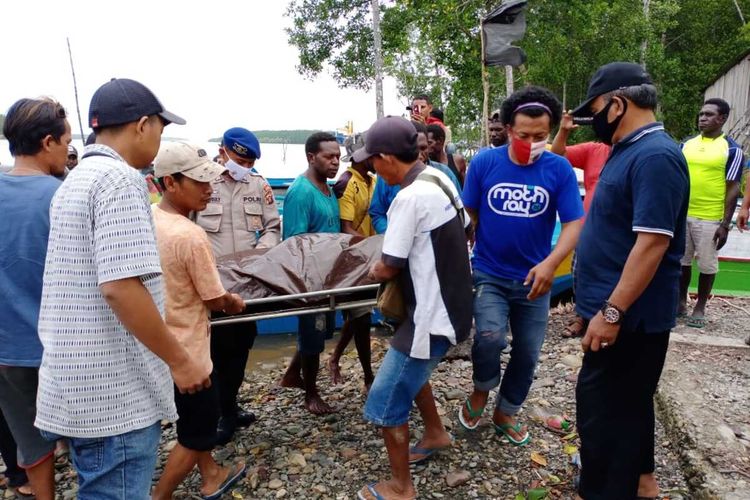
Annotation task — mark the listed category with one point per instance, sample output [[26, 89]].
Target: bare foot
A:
[[389, 491], [647, 486], [443, 440], [212, 484], [500, 418], [682, 309], [333, 367], [292, 380], [315, 405]]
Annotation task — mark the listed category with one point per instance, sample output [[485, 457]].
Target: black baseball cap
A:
[[389, 135], [122, 100], [612, 76]]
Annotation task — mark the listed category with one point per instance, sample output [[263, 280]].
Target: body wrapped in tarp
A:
[[304, 263]]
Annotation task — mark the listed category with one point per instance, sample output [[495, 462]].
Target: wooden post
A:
[[378, 63], [486, 88], [644, 43], [508, 80]]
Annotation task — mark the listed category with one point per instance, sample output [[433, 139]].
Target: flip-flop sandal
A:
[[472, 414], [560, 424], [231, 479], [427, 452], [503, 430], [574, 329], [371, 489], [697, 322], [24, 496]]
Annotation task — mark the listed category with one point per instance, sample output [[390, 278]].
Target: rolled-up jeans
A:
[[499, 304]]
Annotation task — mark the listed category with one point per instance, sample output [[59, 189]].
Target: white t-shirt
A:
[[96, 379], [425, 238]]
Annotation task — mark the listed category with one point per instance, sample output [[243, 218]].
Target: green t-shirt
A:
[[308, 210]]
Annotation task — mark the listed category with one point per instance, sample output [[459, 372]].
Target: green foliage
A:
[[336, 33], [434, 46]]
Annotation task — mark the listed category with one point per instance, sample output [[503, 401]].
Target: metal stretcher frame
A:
[[339, 299]]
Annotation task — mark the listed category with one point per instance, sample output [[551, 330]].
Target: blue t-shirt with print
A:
[[24, 231], [518, 207], [308, 210]]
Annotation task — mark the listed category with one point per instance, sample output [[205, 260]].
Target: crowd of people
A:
[[105, 330]]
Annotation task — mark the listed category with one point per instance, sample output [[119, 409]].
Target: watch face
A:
[[611, 315]]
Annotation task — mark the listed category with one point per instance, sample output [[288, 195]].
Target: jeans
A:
[[115, 467], [398, 381], [499, 303], [615, 414]]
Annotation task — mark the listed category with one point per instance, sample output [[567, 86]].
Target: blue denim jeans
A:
[[397, 383], [115, 467], [498, 304]]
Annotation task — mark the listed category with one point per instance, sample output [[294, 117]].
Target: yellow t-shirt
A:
[[711, 163], [354, 193]]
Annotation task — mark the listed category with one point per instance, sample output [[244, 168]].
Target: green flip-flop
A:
[[503, 430], [472, 415], [697, 322]]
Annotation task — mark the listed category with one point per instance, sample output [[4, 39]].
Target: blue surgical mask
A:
[[237, 171]]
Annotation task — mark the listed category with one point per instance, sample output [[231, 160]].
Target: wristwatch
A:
[[612, 314]]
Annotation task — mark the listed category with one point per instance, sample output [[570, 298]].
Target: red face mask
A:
[[526, 152]]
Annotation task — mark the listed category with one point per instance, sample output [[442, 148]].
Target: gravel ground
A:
[[292, 454]]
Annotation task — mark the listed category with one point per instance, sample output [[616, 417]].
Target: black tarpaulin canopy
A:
[[503, 25]]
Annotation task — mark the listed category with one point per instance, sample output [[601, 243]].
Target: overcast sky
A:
[[216, 63]]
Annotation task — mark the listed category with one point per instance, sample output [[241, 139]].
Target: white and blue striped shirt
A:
[[96, 379]]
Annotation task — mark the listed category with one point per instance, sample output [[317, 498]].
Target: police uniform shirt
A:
[[241, 215]]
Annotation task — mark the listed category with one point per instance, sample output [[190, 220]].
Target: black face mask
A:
[[603, 129]]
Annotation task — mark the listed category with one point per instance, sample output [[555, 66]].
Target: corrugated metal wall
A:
[[734, 87]]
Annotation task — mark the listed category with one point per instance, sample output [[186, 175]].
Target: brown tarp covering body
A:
[[304, 263]]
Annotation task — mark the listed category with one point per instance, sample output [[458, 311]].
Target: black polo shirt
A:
[[643, 188]]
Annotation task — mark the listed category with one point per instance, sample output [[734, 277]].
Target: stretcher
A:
[[284, 306]]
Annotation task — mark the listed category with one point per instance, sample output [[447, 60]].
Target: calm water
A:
[[277, 160]]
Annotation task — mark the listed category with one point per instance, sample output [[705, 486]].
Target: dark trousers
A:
[[230, 347], [615, 414], [16, 475]]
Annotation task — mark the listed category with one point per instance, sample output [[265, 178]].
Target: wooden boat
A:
[[733, 278]]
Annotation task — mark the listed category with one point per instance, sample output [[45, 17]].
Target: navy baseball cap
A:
[[241, 142], [122, 100], [612, 76], [389, 135]]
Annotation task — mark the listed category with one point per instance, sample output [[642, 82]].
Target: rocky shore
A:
[[292, 454]]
